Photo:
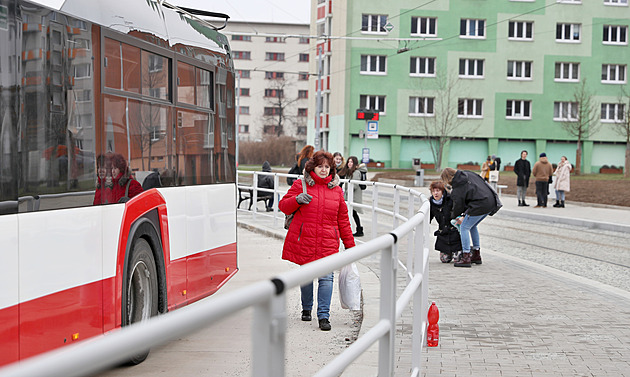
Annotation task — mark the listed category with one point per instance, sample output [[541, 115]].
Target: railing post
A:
[[269, 329], [374, 214], [396, 206], [410, 240], [276, 198], [420, 297], [254, 197], [389, 266]]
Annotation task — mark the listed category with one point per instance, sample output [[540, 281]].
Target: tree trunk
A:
[[578, 159], [626, 170]]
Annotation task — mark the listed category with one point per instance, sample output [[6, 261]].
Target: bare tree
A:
[[278, 112], [440, 121], [583, 121], [622, 127]]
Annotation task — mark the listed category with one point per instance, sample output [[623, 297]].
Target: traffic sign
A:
[[365, 156], [372, 129]]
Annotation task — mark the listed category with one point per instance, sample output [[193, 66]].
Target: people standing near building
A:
[[320, 219], [447, 240], [300, 161], [562, 183], [266, 181], [542, 172], [485, 169], [352, 170], [339, 162], [523, 171], [473, 200]]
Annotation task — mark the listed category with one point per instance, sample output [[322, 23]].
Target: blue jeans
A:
[[468, 230], [324, 294], [559, 194]]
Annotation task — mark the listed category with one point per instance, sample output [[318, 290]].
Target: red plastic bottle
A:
[[433, 331]]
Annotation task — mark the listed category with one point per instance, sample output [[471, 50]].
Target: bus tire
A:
[[141, 287]]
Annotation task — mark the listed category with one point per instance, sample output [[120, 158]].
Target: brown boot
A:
[[476, 256], [464, 260]]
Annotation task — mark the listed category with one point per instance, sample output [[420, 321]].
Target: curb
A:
[[566, 220]]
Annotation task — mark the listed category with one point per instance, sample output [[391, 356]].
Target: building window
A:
[[519, 70], [244, 110], [565, 111], [244, 73], [469, 108], [518, 109], [370, 102], [570, 1], [82, 70], [274, 75], [421, 106], [373, 23], [244, 92], [613, 74], [472, 28], [272, 110], [615, 35], [424, 26], [471, 68], [303, 76], [304, 40], [302, 112], [244, 38], [568, 32], [276, 93], [422, 66], [613, 112], [521, 30], [269, 130], [567, 72], [302, 93], [274, 39], [243, 128], [301, 130], [616, 2], [278, 56], [242, 55], [373, 64], [303, 58]]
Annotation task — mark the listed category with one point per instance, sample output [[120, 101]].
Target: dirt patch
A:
[[601, 191]]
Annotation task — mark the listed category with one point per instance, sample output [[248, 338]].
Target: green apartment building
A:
[[505, 73]]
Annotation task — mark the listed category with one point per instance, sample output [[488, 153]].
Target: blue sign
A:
[[365, 155]]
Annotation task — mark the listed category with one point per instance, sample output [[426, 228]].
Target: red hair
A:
[[318, 159]]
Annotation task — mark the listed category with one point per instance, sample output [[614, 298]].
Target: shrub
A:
[[278, 150]]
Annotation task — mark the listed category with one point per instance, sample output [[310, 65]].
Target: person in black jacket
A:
[[447, 240], [473, 199], [266, 181], [523, 171]]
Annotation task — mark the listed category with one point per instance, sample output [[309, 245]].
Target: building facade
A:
[[273, 61], [487, 77]]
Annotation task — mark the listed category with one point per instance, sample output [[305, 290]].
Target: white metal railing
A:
[[268, 298]]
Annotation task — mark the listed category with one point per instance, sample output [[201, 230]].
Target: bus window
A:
[[112, 64], [204, 88], [155, 81], [195, 143], [185, 83]]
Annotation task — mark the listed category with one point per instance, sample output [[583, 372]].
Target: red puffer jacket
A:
[[316, 227]]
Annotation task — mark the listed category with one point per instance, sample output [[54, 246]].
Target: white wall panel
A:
[[59, 250], [175, 198], [9, 265], [212, 217], [112, 221]]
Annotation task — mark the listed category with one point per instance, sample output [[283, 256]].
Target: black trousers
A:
[[542, 192], [356, 218]]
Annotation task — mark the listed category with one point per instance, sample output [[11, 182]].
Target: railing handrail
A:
[[269, 301]]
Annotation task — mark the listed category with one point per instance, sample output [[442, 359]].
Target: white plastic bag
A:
[[350, 287]]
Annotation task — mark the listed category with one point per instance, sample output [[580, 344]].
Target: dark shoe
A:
[[446, 257], [520, 203], [269, 209], [525, 204], [324, 324], [306, 315], [538, 206], [464, 260], [557, 204], [476, 256], [561, 204], [359, 232]]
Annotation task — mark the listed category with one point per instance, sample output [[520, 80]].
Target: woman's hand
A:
[[304, 198]]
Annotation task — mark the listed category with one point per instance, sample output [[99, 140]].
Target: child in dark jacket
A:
[[447, 240]]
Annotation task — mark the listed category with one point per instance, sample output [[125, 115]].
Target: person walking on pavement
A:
[[447, 240], [320, 219], [485, 169], [562, 183], [339, 162], [473, 200], [542, 172], [266, 181], [523, 170], [352, 170]]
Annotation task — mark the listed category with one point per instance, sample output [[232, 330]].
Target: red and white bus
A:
[[85, 78]]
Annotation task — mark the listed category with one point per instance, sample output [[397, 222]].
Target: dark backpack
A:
[[294, 170], [363, 178]]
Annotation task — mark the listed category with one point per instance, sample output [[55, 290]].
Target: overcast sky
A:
[[285, 11]]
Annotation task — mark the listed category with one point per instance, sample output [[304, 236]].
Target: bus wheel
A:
[[142, 290]]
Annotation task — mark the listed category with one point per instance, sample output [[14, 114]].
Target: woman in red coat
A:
[[115, 184], [320, 219]]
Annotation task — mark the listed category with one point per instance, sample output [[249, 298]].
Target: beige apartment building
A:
[[272, 60]]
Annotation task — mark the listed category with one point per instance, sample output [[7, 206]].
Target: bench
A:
[[245, 193], [499, 187]]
